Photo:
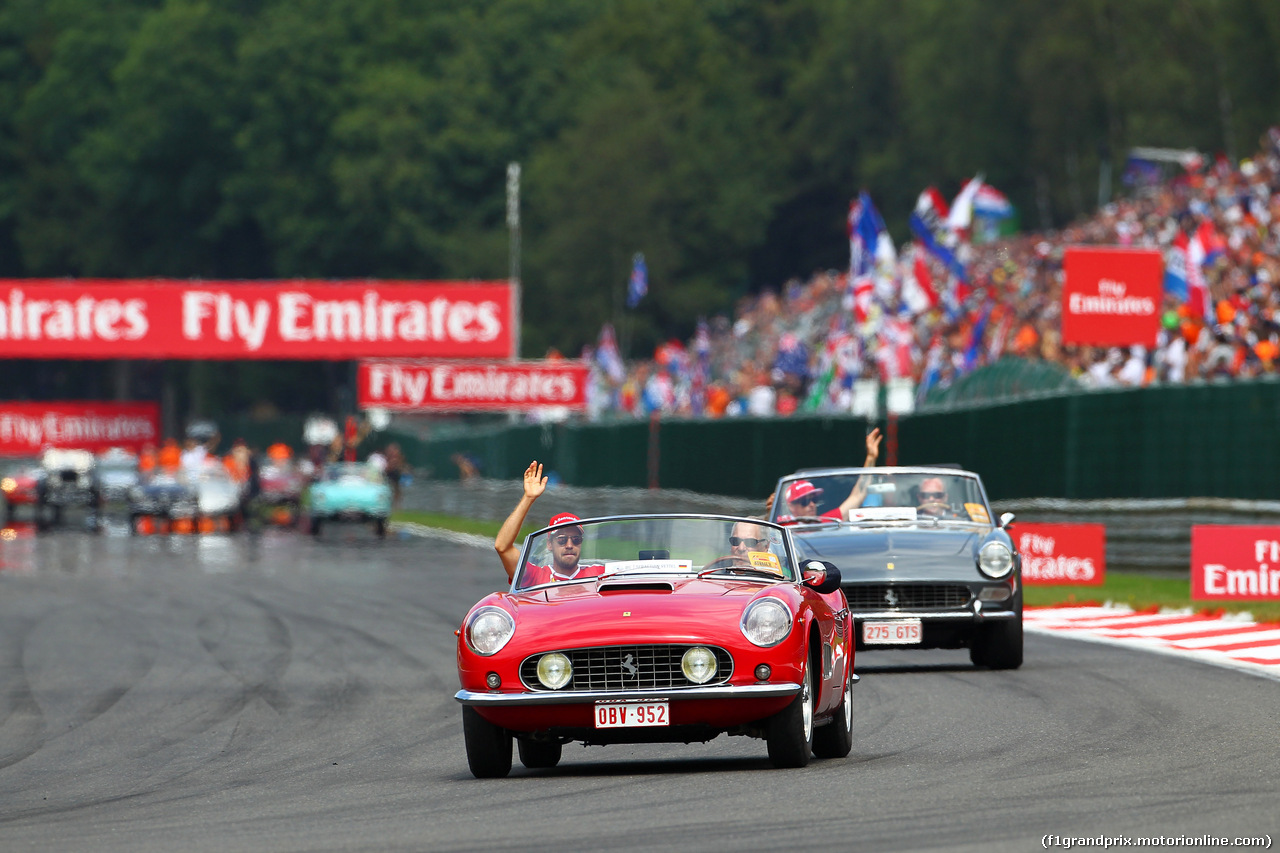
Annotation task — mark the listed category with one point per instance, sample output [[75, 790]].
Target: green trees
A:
[[722, 138]]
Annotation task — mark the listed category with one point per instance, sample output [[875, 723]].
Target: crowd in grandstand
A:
[[940, 311]]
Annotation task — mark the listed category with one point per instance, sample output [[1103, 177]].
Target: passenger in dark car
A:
[[797, 509]]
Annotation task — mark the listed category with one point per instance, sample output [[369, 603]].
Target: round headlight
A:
[[995, 560], [490, 629], [766, 622], [698, 665], [554, 670]]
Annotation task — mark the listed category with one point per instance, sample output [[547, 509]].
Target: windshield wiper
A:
[[809, 519], [752, 570]]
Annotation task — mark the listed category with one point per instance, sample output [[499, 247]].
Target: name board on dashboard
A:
[[323, 320], [424, 386], [1061, 554], [1235, 562], [1111, 296]]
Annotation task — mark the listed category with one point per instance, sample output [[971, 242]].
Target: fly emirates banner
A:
[[1111, 296], [424, 386], [254, 319]]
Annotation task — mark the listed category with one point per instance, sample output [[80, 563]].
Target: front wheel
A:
[[539, 754], [488, 746], [380, 528], [998, 645], [315, 526], [790, 731], [835, 739]]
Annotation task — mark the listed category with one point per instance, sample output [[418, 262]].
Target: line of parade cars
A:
[[679, 628], [201, 498]]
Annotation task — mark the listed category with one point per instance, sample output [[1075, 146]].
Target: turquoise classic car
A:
[[350, 491]]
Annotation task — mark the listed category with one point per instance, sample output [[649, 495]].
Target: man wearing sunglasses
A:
[[803, 497], [745, 538], [565, 542], [933, 500]]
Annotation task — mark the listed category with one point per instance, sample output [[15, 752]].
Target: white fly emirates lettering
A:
[[298, 316], [82, 318], [63, 430], [444, 385], [1111, 300], [449, 384], [1263, 580], [1041, 562]]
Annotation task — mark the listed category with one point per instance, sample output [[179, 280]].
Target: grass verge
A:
[[1143, 592], [479, 527]]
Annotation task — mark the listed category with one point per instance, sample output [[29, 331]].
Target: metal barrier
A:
[[1212, 440]]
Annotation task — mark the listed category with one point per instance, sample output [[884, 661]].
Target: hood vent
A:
[[637, 586]]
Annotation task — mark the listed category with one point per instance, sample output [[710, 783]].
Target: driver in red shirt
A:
[[802, 502], [802, 495]]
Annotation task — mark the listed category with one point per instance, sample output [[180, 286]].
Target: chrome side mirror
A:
[[1006, 518], [820, 576]]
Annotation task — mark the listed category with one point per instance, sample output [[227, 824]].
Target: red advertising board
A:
[[424, 386], [1111, 296], [1234, 562], [1061, 554], [28, 428], [42, 318]]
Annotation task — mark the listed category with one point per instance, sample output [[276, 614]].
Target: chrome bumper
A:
[[743, 691], [974, 615]]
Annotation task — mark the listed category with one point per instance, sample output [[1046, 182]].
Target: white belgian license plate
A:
[[625, 715], [891, 632]]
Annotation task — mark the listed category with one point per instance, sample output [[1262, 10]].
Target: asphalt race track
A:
[[267, 692]]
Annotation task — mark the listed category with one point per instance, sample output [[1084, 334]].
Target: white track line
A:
[[475, 540], [1120, 626]]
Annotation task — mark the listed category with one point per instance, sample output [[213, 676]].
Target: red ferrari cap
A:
[[562, 518], [800, 489]]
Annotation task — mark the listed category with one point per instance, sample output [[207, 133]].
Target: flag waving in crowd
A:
[[929, 224], [871, 255], [918, 294], [638, 284]]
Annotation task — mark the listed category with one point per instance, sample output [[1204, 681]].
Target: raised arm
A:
[[873, 448], [859, 493], [505, 542]]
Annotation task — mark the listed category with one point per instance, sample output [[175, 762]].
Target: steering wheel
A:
[[941, 511], [728, 561]]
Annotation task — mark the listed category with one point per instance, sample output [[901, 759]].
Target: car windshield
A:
[[351, 471], [882, 495], [664, 546], [80, 460]]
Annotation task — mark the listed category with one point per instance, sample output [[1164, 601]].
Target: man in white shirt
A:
[[194, 455]]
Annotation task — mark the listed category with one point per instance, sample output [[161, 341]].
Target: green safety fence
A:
[[1200, 440]]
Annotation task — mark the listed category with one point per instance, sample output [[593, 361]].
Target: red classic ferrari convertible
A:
[[643, 629]]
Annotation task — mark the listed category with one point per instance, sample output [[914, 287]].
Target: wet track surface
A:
[[275, 692]]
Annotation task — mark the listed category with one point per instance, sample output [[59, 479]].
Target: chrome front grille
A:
[[650, 667], [907, 596]]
